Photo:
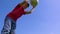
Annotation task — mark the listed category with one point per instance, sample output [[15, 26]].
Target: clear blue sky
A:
[[45, 19]]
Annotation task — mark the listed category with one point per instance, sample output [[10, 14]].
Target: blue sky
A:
[[45, 19]]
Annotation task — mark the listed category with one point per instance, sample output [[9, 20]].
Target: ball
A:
[[34, 2]]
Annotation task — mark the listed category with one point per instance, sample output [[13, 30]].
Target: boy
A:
[[10, 20]]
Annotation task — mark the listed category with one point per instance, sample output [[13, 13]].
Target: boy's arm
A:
[[30, 11]]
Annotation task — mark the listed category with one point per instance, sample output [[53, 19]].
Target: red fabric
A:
[[16, 13]]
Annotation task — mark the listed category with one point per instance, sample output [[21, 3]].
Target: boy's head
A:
[[25, 5]]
